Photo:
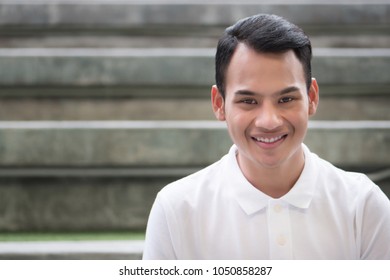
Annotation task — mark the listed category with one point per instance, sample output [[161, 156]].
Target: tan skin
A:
[[266, 109]]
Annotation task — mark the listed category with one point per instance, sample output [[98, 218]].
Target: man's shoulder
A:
[[341, 178]]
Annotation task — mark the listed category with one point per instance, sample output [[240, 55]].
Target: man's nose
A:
[[268, 117]]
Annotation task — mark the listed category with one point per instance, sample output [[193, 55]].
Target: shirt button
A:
[[281, 240], [277, 208]]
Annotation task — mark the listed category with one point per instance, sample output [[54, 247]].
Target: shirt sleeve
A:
[[375, 233], [158, 241]]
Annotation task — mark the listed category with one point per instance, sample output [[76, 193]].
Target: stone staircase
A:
[[102, 103]]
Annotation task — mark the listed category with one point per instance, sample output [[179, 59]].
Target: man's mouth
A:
[[269, 140]]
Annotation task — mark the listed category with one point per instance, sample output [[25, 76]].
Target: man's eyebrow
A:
[[288, 90], [245, 92], [252, 93]]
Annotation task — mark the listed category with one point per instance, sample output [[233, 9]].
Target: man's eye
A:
[[249, 101], [286, 99]]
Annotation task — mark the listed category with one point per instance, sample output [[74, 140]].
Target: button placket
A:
[[279, 230]]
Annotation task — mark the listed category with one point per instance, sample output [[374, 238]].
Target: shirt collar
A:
[[302, 192], [252, 200]]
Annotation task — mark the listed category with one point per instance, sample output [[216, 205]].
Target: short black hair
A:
[[263, 33]]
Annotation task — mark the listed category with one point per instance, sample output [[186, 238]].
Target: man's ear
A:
[[218, 103], [314, 97]]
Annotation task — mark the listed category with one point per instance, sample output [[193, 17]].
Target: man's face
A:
[[266, 107]]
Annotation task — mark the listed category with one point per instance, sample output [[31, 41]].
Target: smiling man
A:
[[269, 197]]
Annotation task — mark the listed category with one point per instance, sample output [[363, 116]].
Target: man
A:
[[269, 197]]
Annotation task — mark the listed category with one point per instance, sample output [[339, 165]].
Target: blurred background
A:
[[102, 103]]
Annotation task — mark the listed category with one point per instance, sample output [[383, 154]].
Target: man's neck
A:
[[278, 181]]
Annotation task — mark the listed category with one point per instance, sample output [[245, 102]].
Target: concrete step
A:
[[72, 250], [148, 84], [124, 108], [92, 199], [182, 23], [332, 107], [172, 143], [340, 71], [37, 202]]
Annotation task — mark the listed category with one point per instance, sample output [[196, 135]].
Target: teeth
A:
[[268, 140]]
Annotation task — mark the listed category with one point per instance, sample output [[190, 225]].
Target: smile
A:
[[268, 140]]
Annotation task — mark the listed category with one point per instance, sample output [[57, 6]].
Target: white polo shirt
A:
[[217, 214]]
